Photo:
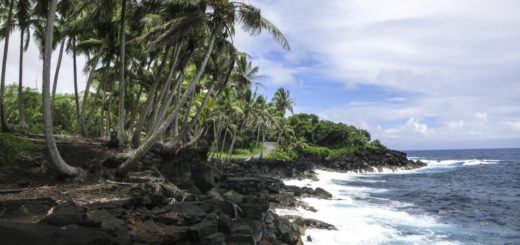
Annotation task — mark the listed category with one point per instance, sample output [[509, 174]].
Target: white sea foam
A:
[[480, 162], [454, 162], [360, 222]]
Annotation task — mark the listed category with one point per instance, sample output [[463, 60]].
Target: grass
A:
[[239, 153], [12, 146]]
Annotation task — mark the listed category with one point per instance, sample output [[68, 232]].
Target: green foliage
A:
[[33, 107], [376, 144], [327, 133], [326, 153], [320, 151], [64, 110], [12, 147], [283, 155]]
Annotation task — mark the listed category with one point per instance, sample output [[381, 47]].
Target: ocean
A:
[[461, 197]]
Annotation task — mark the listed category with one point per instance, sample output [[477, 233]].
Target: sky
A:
[[429, 74]]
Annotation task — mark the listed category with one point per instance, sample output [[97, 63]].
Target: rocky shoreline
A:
[[179, 198]]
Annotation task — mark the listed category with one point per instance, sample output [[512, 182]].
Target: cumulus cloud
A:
[[458, 65]]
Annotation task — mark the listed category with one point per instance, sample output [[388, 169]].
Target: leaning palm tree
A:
[[61, 166], [220, 23], [5, 32]]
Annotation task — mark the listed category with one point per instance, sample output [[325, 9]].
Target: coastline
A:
[[175, 198], [323, 178]]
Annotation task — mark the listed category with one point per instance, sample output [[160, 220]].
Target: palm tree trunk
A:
[[136, 137], [76, 96], [263, 143], [133, 114], [232, 146], [109, 112], [221, 150], [136, 155], [278, 141], [167, 102], [163, 102], [21, 105], [3, 110], [58, 66], [165, 89], [256, 142], [194, 120], [84, 102], [122, 86], [61, 166]]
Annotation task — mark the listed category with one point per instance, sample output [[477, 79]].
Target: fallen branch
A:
[[121, 183]]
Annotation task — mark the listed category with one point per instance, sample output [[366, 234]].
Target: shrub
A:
[[317, 151], [241, 152]]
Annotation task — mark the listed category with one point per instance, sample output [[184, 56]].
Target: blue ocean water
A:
[[462, 197]]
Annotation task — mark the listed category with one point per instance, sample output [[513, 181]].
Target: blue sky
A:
[[429, 74]]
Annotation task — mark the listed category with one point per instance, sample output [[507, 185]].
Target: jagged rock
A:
[[31, 210], [40, 233], [214, 239], [202, 229], [304, 223], [254, 207], [114, 226], [233, 196], [170, 218], [203, 177], [67, 214], [321, 193]]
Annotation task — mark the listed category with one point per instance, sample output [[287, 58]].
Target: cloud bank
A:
[[450, 69]]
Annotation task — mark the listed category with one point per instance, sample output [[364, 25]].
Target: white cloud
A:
[[32, 73], [458, 63], [412, 126], [456, 124], [481, 115]]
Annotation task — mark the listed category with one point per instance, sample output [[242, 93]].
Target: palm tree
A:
[[6, 31], [23, 17], [122, 86], [136, 155], [61, 166], [282, 101]]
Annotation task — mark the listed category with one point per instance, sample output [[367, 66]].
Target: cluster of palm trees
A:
[[162, 71], [239, 113]]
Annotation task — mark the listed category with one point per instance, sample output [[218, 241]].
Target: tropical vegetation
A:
[[158, 72]]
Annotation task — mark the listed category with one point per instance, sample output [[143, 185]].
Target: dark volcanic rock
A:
[[67, 214], [368, 159], [309, 192], [321, 193], [28, 234]]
